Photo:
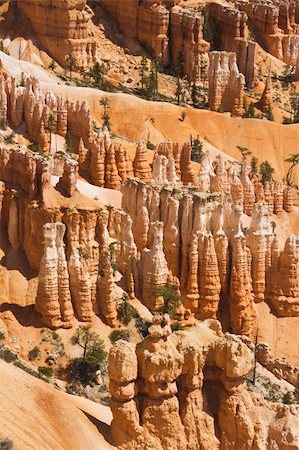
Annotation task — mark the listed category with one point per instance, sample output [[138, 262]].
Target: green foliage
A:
[[196, 149], [126, 312], [244, 150], [293, 159], [266, 172], [269, 115], [53, 65], [254, 165], [179, 90], [36, 148], [150, 81], [183, 116], [296, 395], [70, 62], [273, 225], [207, 32], [84, 254], [106, 116], [10, 139], [249, 112], [143, 71], [98, 73], [68, 146], [82, 369], [287, 398], [6, 444], [116, 335], [142, 326], [176, 326], [195, 96], [7, 355], [46, 371], [171, 299], [34, 353], [3, 123], [93, 346], [149, 144], [23, 80]]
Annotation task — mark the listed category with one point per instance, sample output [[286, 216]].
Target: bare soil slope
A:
[[38, 417]]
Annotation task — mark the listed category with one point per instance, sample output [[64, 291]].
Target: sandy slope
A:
[[15, 67], [38, 417]]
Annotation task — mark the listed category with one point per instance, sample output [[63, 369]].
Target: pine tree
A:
[[70, 62], [196, 149], [266, 172]]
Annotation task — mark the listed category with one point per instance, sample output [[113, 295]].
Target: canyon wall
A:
[[275, 26], [171, 33], [64, 28], [206, 248], [231, 34], [182, 390]]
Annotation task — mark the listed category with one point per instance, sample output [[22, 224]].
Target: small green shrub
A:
[[46, 371], [34, 353], [287, 398], [119, 334], [176, 326], [10, 139], [150, 145], [142, 326], [6, 444], [7, 355], [126, 312]]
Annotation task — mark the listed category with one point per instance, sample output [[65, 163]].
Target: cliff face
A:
[[275, 26], [171, 33], [64, 29], [233, 36], [179, 376]]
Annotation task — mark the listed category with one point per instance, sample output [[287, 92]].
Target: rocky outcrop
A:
[[64, 29], [266, 101], [188, 49], [14, 163], [231, 27], [171, 33], [153, 268], [275, 26], [141, 165], [284, 294], [226, 84], [242, 314], [46, 115], [178, 376], [282, 369], [53, 297], [200, 228], [68, 180]]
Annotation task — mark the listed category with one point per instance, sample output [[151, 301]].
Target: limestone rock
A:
[[226, 84], [53, 298], [153, 267], [63, 28], [141, 166]]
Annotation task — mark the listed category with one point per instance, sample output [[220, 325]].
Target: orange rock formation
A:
[[166, 371], [64, 29]]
